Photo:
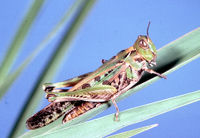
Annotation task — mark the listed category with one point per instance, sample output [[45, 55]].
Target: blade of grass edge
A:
[[50, 69], [11, 78], [133, 132], [19, 39], [106, 125]]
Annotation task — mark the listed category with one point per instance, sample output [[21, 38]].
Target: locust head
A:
[[145, 48]]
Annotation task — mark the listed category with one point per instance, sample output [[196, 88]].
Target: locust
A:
[[76, 96]]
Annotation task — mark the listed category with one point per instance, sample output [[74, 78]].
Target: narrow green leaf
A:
[[106, 125], [13, 76], [19, 39], [133, 132], [51, 67]]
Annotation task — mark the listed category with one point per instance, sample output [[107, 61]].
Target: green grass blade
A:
[[106, 125], [19, 39], [133, 132], [51, 68], [13, 76]]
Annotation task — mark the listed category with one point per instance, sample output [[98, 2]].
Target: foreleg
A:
[[156, 73]]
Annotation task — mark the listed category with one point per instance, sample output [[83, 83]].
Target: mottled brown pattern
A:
[[105, 96], [97, 78], [139, 59], [86, 85], [110, 71], [106, 82], [47, 115], [120, 81]]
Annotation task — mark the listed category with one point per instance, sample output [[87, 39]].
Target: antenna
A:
[[148, 28]]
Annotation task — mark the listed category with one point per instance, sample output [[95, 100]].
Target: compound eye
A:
[[143, 44]]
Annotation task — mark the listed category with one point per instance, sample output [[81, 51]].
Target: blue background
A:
[[112, 25]]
